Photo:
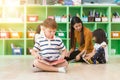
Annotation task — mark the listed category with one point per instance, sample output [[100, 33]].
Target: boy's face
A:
[[50, 33]]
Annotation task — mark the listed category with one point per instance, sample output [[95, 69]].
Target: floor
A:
[[19, 68]]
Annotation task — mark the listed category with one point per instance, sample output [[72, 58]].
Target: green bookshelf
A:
[[115, 27], [25, 18]]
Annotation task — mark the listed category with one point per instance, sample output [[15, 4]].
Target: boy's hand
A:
[[61, 57], [37, 56]]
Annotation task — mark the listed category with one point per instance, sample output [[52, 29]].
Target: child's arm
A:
[[43, 61], [77, 58], [61, 58], [63, 54], [88, 56], [57, 62], [35, 54]]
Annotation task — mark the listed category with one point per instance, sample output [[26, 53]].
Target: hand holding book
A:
[[58, 61]]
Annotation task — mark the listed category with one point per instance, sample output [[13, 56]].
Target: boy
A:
[[48, 49]]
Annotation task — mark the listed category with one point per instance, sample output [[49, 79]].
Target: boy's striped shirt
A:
[[49, 49]]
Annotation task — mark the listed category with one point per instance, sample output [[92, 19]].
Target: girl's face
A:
[[50, 33], [77, 26]]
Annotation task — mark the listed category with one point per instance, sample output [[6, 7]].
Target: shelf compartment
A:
[[17, 43], [31, 29], [91, 26], [62, 30], [115, 27], [54, 11], [115, 9], [30, 45], [103, 10], [115, 45], [73, 11], [39, 11], [10, 28], [62, 27]]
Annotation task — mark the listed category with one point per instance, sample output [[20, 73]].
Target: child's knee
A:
[[36, 62]]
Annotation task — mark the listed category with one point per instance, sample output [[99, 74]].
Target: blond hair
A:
[[50, 23]]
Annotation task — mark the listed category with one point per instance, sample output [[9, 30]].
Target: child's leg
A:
[[64, 64], [62, 67], [45, 67], [99, 56], [102, 59], [95, 57], [72, 55]]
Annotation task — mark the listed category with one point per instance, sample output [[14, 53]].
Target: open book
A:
[[52, 62], [58, 61]]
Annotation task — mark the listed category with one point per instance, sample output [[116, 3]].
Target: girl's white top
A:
[[96, 46]]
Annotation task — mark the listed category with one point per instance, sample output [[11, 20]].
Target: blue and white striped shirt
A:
[[49, 49]]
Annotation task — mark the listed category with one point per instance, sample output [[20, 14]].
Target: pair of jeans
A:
[[99, 56], [73, 56]]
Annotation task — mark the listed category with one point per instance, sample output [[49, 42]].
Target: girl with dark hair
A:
[[82, 36], [39, 31], [100, 51]]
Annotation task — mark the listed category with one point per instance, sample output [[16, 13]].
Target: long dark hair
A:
[[100, 36], [75, 20]]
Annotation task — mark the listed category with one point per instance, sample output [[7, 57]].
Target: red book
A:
[[58, 61]]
